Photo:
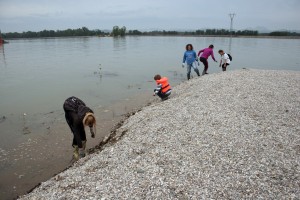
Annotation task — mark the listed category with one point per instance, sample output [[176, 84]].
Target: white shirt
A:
[[225, 58]]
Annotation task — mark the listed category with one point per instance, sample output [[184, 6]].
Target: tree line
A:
[[121, 31], [217, 32], [84, 31]]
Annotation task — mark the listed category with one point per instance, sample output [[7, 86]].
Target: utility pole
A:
[[231, 15]]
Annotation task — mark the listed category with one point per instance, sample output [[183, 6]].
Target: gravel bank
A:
[[225, 135]]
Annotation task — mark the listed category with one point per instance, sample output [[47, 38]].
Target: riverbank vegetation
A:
[[120, 32]]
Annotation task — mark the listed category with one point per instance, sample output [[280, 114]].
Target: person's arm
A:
[[212, 56], [157, 89], [184, 59], [220, 62], [200, 52]]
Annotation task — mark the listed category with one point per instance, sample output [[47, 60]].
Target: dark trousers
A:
[[76, 127], [205, 63], [164, 95], [224, 66]]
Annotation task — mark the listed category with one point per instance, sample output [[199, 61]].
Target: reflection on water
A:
[[2, 55]]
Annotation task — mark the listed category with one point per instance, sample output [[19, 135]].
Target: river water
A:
[[111, 75]]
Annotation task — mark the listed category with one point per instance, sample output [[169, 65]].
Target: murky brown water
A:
[[45, 148]]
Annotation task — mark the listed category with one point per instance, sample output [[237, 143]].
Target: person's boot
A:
[[188, 76], [82, 150], [81, 153], [76, 152]]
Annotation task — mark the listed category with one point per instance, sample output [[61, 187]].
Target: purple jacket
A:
[[206, 53]]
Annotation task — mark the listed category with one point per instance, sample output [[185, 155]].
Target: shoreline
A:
[[179, 35], [99, 147], [140, 140], [34, 160]]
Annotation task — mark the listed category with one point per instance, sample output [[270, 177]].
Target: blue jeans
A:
[[190, 66]]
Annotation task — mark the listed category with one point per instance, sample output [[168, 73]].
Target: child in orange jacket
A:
[[163, 89]]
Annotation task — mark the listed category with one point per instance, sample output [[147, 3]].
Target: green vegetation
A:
[[120, 32], [50, 33], [217, 32], [283, 33]]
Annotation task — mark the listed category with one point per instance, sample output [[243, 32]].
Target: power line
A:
[[231, 15]]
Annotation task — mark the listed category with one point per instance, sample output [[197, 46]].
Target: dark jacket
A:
[[78, 106], [75, 110]]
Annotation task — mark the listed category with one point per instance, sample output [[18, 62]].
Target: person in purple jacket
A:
[[204, 56]]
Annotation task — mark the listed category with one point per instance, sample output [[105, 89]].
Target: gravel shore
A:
[[232, 135]]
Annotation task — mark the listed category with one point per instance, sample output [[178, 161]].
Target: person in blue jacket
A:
[[190, 58]]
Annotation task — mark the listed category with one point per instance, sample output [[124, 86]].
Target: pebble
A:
[[220, 136]]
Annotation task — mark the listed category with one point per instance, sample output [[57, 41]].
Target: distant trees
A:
[[134, 32], [246, 32], [222, 32], [84, 31], [283, 33], [118, 31], [217, 32]]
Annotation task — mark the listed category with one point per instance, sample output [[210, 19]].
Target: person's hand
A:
[[81, 153], [154, 94], [92, 132], [183, 65]]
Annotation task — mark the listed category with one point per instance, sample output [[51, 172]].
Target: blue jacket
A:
[[189, 57]]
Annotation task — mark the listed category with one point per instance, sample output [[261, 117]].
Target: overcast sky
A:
[[37, 15]]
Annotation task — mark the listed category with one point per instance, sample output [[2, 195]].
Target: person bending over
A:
[[225, 60], [163, 89], [204, 56], [79, 116]]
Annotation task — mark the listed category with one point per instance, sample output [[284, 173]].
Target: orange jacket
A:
[[165, 84]]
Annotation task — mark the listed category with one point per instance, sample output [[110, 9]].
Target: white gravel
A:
[[231, 135]]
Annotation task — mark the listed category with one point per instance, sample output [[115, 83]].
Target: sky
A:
[[146, 15]]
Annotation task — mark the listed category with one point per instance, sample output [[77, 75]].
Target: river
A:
[[112, 75]]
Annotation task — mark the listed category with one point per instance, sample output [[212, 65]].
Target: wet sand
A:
[[45, 148]]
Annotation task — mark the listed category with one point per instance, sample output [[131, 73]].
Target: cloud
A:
[[143, 14]]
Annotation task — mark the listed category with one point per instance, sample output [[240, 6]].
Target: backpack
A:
[[230, 57]]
